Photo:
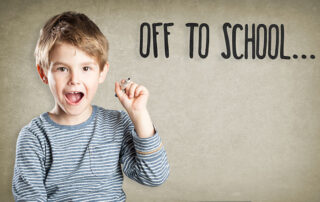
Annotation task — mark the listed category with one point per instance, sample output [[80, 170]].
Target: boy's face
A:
[[73, 78]]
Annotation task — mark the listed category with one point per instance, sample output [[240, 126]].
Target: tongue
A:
[[74, 97]]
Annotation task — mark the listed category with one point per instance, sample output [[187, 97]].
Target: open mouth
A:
[[74, 97]]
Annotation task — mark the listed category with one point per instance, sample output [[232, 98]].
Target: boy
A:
[[75, 151]]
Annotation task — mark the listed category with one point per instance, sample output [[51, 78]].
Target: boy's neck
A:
[[60, 117]]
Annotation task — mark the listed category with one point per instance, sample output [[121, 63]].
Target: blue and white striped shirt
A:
[[83, 162]]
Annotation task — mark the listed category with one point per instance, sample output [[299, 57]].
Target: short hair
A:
[[73, 28]]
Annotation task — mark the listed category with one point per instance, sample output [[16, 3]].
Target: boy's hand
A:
[[134, 100]]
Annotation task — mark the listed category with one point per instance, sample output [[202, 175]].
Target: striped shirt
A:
[[83, 162]]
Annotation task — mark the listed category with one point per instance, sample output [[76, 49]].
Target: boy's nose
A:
[[74, 78]]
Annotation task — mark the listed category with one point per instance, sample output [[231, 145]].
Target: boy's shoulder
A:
[[111, 115], [30, 133], [100, 111], [35, 123]]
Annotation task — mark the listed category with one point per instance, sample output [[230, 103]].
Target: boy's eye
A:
[[62, 69], [86, 68]]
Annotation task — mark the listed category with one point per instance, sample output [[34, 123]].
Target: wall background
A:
[[234, 130]]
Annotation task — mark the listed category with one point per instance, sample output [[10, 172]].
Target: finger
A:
[[140, 90], [132, 89], [117, 89], [120, 94], [122, 84]]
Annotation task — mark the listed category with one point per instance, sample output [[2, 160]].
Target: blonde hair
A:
[[73, 28]]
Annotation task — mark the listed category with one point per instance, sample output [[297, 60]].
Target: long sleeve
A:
[[144, 159], [29, 169]]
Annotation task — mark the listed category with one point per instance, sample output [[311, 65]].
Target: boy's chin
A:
[[78, 109], [80, 113]]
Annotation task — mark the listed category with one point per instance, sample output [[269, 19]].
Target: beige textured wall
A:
[[234, 130]]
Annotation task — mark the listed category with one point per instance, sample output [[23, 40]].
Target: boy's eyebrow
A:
[[59, 63], [89, 64], [64, 64]]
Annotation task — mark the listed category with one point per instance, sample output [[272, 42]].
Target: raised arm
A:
[[142, 153], [144, 159]]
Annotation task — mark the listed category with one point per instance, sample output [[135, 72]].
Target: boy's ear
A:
[[42, 74], [103, 73]]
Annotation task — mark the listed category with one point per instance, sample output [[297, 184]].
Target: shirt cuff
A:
[[147, 146]]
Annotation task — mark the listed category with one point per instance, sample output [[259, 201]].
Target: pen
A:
[[124, 85]]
